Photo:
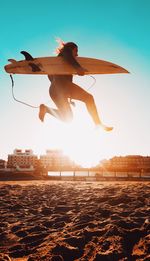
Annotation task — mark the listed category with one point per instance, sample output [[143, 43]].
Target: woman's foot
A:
[[42, 112], [104, 127]]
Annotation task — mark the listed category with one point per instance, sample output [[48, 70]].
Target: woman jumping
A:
[[62, 90]]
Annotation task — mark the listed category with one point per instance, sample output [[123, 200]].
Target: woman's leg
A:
[[78, 93], [63, 111]]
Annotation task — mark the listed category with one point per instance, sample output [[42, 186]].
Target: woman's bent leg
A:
[[63, 114], [79, 94]]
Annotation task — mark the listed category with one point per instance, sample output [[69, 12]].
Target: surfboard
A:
[[58, 66]]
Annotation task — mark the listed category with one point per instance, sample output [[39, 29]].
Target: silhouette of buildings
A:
[[22, 161], [2, 164], [130, 162], [56, 160]]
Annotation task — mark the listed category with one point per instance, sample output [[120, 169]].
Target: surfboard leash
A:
[[92, 83], [36, 107], [13, 95], [25, 103]]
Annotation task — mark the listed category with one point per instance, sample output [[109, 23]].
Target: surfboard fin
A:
[[27, 56], [12, 60]]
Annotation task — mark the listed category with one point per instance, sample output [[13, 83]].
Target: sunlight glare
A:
[[79, 139]]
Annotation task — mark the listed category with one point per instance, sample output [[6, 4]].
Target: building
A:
[[130, 162], [2, 164], [56, 160], [22, 161]]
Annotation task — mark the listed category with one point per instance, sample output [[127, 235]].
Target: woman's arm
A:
[[71, 60]]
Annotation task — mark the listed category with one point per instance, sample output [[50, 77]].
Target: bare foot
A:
[[42, 112], [106, 128]]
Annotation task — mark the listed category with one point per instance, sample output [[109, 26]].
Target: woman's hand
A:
[[80, 71]]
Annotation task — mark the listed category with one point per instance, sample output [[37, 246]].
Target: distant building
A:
[[56, 160], [22, 161], [130, 162], [2, 164]]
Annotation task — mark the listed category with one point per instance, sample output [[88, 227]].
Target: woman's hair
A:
[[64, 47]]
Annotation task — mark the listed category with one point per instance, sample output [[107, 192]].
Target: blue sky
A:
[[126, 21], [117, 31]]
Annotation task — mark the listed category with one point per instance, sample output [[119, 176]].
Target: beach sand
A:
[[57, 220]]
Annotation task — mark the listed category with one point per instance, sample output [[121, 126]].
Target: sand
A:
[[46, 220]]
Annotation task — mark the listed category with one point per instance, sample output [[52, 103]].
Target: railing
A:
[[98, 175]]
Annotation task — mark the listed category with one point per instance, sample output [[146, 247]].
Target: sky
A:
[[117, 31]]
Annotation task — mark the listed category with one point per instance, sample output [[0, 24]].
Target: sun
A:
[[83, 147]]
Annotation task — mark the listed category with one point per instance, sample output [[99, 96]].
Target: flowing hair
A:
[[62, 46]]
